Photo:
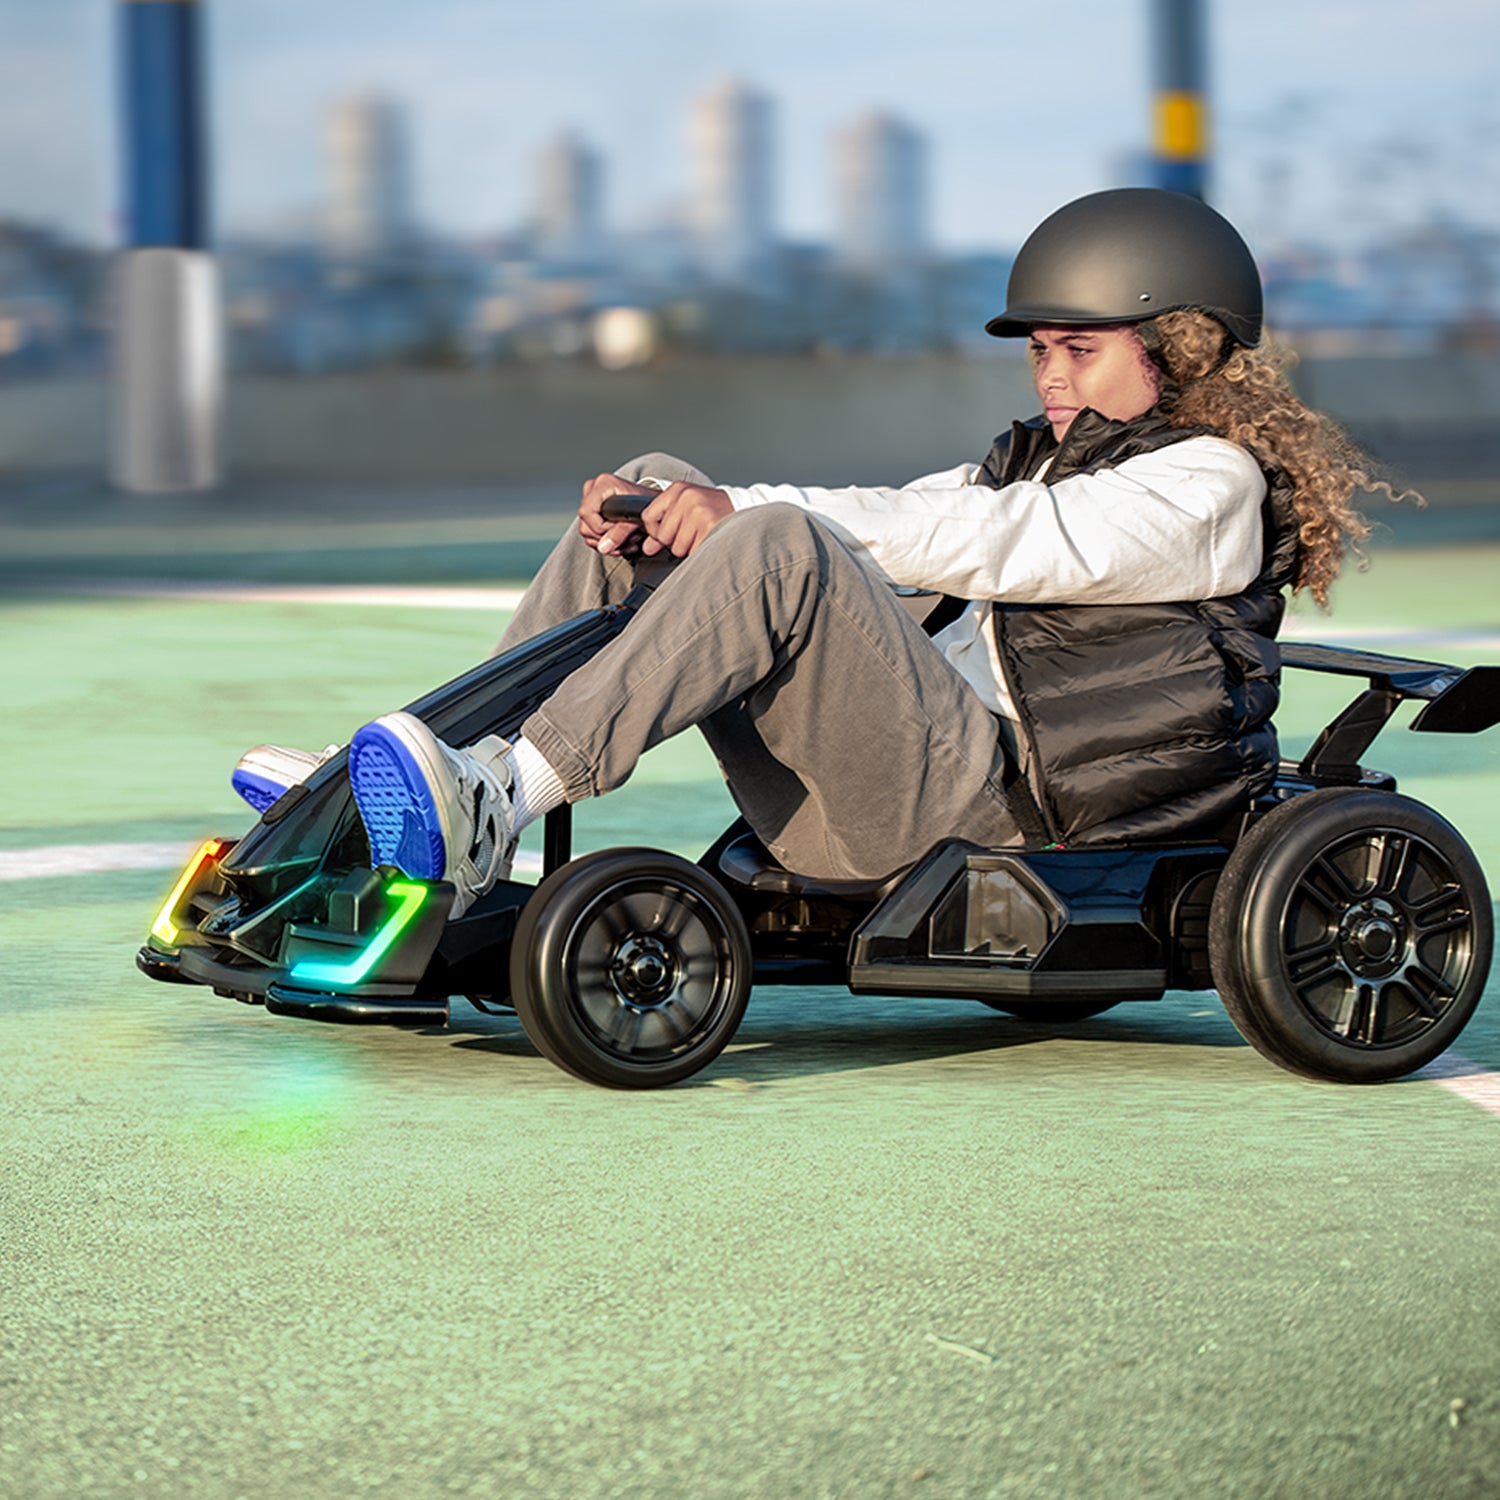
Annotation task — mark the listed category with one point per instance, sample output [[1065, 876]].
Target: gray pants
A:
[[848, 742]]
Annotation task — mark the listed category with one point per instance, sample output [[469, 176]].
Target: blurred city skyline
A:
[[1333, 122]]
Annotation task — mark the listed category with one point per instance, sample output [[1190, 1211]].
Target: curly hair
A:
[[1245, 395]]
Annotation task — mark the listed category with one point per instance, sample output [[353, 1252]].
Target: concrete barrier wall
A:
[[53, 425], [815, 420], [767, 419]]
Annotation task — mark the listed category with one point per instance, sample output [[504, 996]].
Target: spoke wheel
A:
[[630, 968], [1351, 934]]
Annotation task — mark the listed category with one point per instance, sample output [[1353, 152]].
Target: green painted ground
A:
[[893, 1248]]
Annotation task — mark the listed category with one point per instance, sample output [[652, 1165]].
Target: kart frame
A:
[[1347, 928]]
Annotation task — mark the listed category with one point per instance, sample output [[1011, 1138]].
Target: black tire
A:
[[1062, 1011], [1350, 935], [630, 968]]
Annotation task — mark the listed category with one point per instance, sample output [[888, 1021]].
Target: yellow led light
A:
[[164, 928]]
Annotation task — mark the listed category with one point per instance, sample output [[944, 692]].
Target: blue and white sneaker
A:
[[432, 811], [265, 773]]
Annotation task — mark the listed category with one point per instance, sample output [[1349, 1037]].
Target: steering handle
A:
[[649, 571], [625, 507]]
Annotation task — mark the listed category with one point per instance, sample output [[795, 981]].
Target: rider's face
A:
[[1103, 368]]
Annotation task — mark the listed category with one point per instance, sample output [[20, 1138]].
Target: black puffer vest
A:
[[1143, 720]]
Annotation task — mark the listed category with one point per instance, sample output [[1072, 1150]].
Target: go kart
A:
[[1346, 927]]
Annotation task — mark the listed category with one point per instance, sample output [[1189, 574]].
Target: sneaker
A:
[[265, 773], [432, 811]]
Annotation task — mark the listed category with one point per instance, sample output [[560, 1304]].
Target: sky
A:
[[1332, 119]]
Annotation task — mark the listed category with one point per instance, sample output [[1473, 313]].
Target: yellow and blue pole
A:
[[168, 375], [1179, 156]]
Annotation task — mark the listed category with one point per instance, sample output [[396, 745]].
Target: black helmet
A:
[[1127, 255]]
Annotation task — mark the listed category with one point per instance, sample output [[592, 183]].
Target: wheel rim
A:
[[650, 969], [1378, 938]]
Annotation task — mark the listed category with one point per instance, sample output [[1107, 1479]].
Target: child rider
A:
[[1114, 572]]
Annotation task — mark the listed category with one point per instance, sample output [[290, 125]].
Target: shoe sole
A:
[[393, 776], [256, 790]]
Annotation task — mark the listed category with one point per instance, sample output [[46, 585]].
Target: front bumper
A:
[[364, 961]]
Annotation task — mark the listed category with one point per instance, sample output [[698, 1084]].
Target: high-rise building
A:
[[369, 177], [880, 172], [569, 201], [733, 189]]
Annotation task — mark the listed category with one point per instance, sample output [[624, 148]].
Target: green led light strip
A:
[[353, 972]]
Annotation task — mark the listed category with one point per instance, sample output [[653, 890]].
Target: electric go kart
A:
[[1347, 928]]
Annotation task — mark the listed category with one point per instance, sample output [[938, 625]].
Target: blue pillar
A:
[[168, 374], [1179, 153]]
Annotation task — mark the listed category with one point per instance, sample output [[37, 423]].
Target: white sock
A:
[[535, 787]]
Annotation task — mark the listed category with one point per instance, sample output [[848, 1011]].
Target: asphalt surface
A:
[[881, 1248]]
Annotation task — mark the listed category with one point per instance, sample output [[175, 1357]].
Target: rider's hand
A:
[[622, 537], [679, 519]]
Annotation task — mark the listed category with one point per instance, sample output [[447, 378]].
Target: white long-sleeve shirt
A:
[[1182, 522]]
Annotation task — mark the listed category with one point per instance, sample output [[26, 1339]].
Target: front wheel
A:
[[1350, 935], [630, 968]]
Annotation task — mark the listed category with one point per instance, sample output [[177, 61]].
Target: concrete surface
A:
[[881, 1248]]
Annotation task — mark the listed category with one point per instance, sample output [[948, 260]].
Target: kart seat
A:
[[747, 862]]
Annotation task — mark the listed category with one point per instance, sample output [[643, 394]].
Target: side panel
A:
[[1071, 924]]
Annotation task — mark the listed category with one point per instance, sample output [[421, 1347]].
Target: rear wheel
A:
[[1351, 934], [630, 968]]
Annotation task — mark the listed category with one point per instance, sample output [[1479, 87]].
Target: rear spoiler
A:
[[1455, 700]]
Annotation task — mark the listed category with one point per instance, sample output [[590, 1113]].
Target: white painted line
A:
[[1457, 1074], [99, 859], [1299, 629], [397, 596], [1452, 1071], [90, 859], [414, 596]]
